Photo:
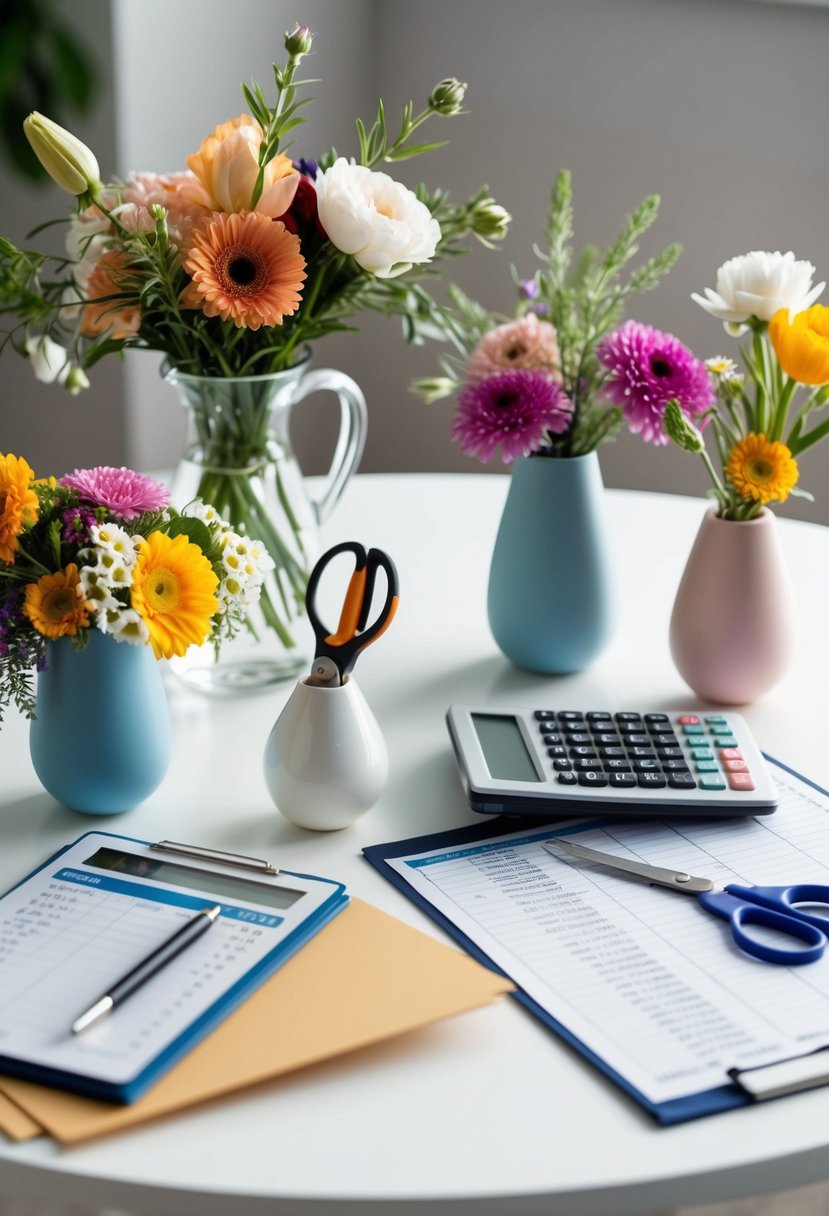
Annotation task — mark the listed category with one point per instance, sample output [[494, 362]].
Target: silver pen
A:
[[148, 967]]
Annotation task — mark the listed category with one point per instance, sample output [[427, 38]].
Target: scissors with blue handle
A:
[[336, 653], [769, 907]]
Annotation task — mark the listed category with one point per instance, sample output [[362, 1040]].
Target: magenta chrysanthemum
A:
[[125, 493], [514, 408], [647, 369]]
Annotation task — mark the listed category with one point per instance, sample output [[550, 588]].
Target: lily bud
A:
[[299, 41], [447, 97], [490, 220], [50, 360], [68, 162], [434, 388], [76, 381], [680, 428]]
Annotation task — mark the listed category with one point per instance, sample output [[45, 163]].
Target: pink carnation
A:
[[125, 493], [525, 343], [180, 193]]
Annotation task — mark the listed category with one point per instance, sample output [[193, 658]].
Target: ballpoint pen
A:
[[148, 967]]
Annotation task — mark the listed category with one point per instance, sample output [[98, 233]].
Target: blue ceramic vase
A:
[[100, 740], [550, 599]]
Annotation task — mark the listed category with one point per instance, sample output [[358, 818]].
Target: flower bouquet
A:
[[101, 550], [233, 268], [551, 385]]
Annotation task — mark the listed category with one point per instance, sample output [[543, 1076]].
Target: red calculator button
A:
[[730, 753], [735, 766], [741, 781], [688, 720]]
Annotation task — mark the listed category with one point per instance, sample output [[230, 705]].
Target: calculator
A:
[[586, 762]]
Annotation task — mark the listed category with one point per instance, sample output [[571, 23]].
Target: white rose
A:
[[50, 360], [758, 285], [374, 218]]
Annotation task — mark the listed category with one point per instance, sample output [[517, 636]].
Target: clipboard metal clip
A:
[[240, 860]]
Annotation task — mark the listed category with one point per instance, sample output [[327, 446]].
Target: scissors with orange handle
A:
[[337, 652]]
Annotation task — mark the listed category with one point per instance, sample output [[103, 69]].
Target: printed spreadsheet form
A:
[[642, 975]]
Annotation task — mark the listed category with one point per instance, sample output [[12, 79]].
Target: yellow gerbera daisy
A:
[[18, 502], [762, 469], [172, 591], [55, 605]]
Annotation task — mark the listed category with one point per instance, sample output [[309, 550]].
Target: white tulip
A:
[[380, 222], [758, 285], [50, 360]]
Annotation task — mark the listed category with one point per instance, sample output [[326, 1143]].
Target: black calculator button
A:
[[647, 766], [664, 740], [641, 753], [675, 766], [681, 781], [622, 780], [583, 753], [567, 779], [656, 719], [637, 740], [592, 778], [670, 753], [596, 715], [607, 740], [557, 753], [571, 715], [551, 738], [612, 753], [628, 717], [541, 715], [651, 781], [616, 766], [548, 728], [561, 765], [630, 728], [578, 738], [583, 765]]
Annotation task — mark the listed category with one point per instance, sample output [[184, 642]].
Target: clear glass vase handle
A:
[[351, 439]]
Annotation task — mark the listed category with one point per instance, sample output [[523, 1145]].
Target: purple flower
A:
[[648, 368], [76, 524], [517, 409], [125, 493], [308, 168]]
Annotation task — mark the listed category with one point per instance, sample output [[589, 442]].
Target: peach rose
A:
[[227, 165]]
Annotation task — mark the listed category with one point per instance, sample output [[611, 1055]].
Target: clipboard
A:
[[740, 1087], [94, 909]]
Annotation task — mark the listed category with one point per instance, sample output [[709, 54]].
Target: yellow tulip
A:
[[802, 343], [67, 161]]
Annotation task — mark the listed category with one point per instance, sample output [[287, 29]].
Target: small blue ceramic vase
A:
[[100, 740], [550, 599]]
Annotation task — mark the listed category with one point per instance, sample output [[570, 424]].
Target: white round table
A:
[[489, 1112]]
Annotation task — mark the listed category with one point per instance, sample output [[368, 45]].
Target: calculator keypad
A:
[[648, 751]]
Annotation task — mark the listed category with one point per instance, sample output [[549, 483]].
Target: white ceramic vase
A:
[[325, 761], [734, 620]]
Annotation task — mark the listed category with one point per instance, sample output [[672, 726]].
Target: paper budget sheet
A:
[[643, 976]]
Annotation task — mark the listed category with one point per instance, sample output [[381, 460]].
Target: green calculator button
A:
[[701, 753], [707, 766], [717, 729], [713, 719], [726, 741], [694, 729], [711, 783]]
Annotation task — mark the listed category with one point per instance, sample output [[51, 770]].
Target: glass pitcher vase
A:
[[240, 460]]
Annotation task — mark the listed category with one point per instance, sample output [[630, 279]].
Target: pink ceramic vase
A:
[[733, 624]]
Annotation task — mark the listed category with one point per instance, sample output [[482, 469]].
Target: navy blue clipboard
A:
[[680, 1110], [198, 1029]]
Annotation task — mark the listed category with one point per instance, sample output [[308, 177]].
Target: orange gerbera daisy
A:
[[246, 268], [18, 502], [173, 587], [762, 469], [107, 280], [54, 604]]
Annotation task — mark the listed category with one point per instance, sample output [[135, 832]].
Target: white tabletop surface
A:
[[489, 1108]]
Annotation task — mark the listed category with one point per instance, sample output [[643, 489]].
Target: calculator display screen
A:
[[222, 885], [505, 751]]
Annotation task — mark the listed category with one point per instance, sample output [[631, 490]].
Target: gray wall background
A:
[[717, 105]]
